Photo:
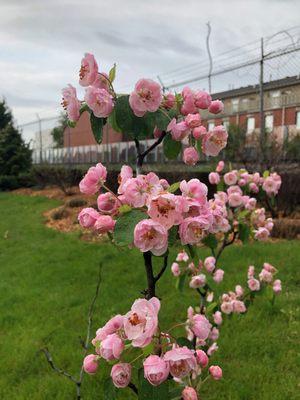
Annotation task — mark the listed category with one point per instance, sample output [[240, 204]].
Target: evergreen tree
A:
[[58, 132], [15, 155]]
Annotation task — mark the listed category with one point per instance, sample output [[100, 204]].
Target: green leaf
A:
[[123, 232], [172, 148], [84, 108], [113, 122], [180, 282], [162, 119], [97, 127], [243, 214], [136, 127], [149, 392], [173, 187], [173, 235], [110, 391], [124, 208], [266, 174], [183, 341], [211, 307], [244, 232], [148, 349], [71, 124], [112, 73], [210, 241]]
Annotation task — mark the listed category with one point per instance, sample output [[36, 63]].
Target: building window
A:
[[235, 105], [250, 125], [211, 125], [298, 119], [269, 121]]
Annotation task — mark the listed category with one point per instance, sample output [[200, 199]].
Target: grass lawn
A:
[[48, 279]]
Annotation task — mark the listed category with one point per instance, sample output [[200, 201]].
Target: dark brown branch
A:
[[225, 244], [142, 155], [55, 368], [150, 291], [133, 387], [164, 267]]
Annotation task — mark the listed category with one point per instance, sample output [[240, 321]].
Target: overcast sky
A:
[[42, 42]]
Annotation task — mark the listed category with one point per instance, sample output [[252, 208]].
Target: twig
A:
[[84, 344], [133, 387], [159, 275], [150, 291], [142, 155], [225, 244]]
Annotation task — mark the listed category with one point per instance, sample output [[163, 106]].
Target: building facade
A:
[[242, 108]]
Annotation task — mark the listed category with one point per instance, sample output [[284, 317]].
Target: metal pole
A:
[[209, 56], [40, 137], [261, 97]]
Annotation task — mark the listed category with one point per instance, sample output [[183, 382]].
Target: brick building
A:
[[281, 108]]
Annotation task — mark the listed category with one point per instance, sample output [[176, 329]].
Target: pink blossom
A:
[[214, 334], [269, 267], [181, 361], [156, 370], [194, 189], [209, 264], [146, 96], [135, 191], [261, 234], [99, 101], [220, 166], [251, 271], [190, 156], [214, 178], [253, 284], [271, 184], [198, 281], [227, 307], [235, 200], [121, 374], [230, 178], [253, 187], [125, 174], [90, 364], [218, 318], [199, 133], [167, 209], [93, 179], [179, 130], [216, 106], [175, 269], [277, 286], [168, 101], [107, 203], [201, 358], [216, 372], [112, 326], [193, 120], [212, 349], [214, 141], [239, 307], [218, 275], [188, 106], [202, 99], [104, 224], [87, 217], [111, 347], [140, 324], [266, 276], [239, 290], [88, 71], [102, 81], [182, 256], [200, 326], [193, 229], [164, 184], [70, 103], [251, 204], [189, 393], [151, 236]]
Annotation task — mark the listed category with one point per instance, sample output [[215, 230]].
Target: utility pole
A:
[[40, 138], [261, 97], [162, 84], [209, 56]]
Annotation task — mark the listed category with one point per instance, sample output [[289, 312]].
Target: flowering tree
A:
[[152, 215]]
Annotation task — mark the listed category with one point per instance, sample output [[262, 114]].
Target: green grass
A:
[[48, 279]]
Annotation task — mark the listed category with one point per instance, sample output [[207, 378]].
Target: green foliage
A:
[[210, 241], [37, 273], [112, 73], [97, 125], [110, 391], [15, 155], [57, 132], [183, 341], [174, 187], [172, 148], [236, 142], [149, 392], [244, 232], [292, 149], [123, 232]]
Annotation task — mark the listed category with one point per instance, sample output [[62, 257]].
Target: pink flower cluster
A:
[[265, 277], [98, 95], [198, 273], [232, 302]]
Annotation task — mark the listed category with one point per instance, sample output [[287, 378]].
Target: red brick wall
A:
[[82, 134]]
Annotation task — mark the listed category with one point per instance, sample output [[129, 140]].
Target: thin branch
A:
[[155, 144], [225, 244], [57, 369], [133, 387], [164, 267]]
